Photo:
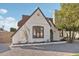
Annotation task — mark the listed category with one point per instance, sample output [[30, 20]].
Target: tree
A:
[[12, 29], [67, 18]]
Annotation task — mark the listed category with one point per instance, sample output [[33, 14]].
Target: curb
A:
[[36, 44]]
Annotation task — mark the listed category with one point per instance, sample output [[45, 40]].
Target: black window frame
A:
[[38, 30]]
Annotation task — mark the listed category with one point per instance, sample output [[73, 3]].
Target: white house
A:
[[36, 28]]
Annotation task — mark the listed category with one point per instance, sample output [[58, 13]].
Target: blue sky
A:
[[15, 11]]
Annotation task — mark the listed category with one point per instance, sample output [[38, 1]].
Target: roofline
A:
[[30, 17]]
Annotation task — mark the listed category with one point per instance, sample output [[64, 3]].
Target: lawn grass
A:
[[76, 54]]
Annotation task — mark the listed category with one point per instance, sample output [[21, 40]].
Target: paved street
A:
[[65, 47], [61, 49], [41, 50], [30, 52]]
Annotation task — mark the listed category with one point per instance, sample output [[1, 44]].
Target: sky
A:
[[11, 13]]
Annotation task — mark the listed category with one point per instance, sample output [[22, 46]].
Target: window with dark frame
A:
[[38, 32]]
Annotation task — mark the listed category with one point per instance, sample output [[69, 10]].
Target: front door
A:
[[51, 35]]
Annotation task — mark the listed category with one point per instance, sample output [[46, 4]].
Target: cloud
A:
[[8, 22], [1, 17], [3, 11]]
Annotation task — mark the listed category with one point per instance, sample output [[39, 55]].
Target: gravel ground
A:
[[63, 49]]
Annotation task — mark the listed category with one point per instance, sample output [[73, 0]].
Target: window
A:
[[38, 32]]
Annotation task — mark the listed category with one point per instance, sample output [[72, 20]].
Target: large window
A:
[[38, 32]]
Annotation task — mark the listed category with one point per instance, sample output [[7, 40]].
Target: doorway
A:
[[51, 35]]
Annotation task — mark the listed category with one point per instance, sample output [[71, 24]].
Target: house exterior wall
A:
[[34, 20], [56, 34], [19, 37]]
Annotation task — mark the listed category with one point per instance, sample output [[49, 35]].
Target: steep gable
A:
[[27, 18]]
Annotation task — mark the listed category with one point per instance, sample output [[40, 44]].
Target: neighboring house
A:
[[36, 28]]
